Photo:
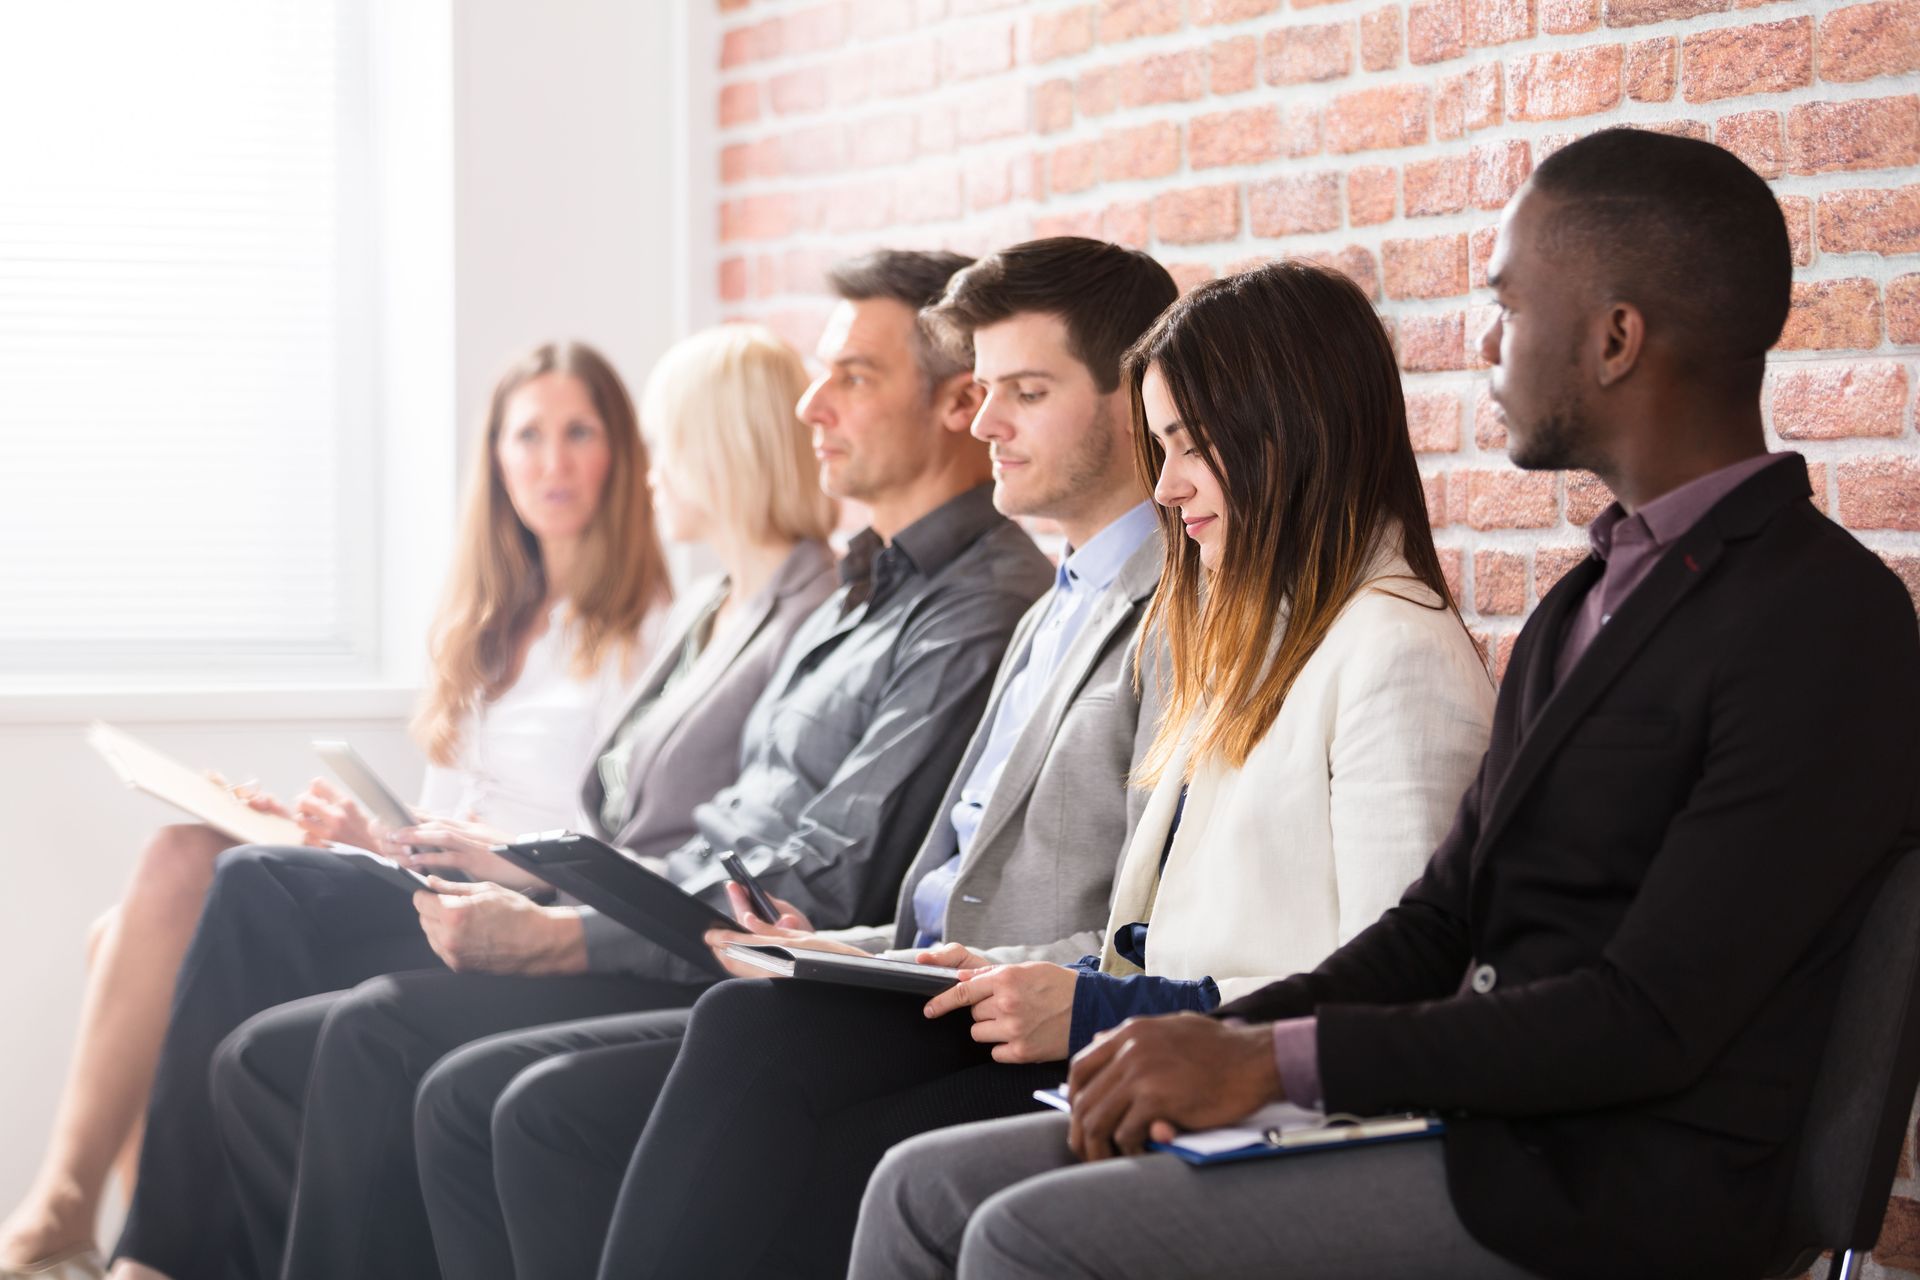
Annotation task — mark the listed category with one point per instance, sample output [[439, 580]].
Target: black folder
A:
[[617, 886], [853, 971]]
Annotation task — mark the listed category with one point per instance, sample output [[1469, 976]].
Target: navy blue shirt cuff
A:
[[1103, 1000]]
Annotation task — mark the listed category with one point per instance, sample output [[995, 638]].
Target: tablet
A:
[[618, 887], [374, 795]]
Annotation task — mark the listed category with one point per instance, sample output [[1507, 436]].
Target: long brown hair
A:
[[499, 584], [1285, 382]]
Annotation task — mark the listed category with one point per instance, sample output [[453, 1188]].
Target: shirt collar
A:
[[930, 543], [1678, 510], [1095, 565]]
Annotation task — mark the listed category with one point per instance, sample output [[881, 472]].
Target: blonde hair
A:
[[499, 584], [719, 412]]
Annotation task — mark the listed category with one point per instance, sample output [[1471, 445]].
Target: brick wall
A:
[[1380, 137]]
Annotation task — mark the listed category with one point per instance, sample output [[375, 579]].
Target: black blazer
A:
[[1617, 971]]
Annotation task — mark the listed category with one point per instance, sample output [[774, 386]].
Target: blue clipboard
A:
[[1280, 1130]]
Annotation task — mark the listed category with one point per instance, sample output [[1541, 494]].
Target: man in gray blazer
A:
[[1019, 858]]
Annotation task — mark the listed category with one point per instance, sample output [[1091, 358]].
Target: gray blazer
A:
[[689, 745], [1037, 879]]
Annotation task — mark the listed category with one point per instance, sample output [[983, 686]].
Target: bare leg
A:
[[134, 954], [127, 1269]]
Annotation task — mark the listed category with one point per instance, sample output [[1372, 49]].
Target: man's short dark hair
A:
[[1106, 295], [1682, 230], [916, 278]]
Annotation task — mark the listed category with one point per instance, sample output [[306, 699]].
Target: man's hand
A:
[[1023, 1010], [1149, 1078], [459, 846], [792, 929], [483, 928]]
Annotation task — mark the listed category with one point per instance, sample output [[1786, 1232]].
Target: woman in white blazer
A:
[[1327, 707]]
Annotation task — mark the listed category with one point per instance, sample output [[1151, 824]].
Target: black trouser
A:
[[316, 1105], [783, 1099], [278, 924], [537, 1128]]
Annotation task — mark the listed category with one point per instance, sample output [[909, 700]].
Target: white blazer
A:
[[1279, 862]]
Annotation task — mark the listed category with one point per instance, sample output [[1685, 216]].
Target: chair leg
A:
[[1845, 1266]]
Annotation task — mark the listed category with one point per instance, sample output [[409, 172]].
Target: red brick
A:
[[1698, 130], [1468, 101], [934, 131], [741, 46], [1127, 19], [1355, 262], [1163, 77], [798, 92], [1498, 650], [1569, 17], [1144, 151], [1550, 564], [1755, 137], [1130, 223], [762, 217], [1903, 310], [929, 196], [866, 206], [1380, 39], [1298, 55], [1866, 40], [1479, 254], [1870, 221], [1370, 194], [1499, 582], [1060, 34], [733, 280], [1498, 170], [904, 69], [1096, 92], [1053, 106], [989, 182], [1197, 215], [1294, 203], [1434, 489], [1436, 30], [1433, 421], [990, 112], [1437, 186], [1433, 343], [1880, 493], [1834, 401], [1574, 82], [1833, 314], [878, 19], [1489, 425], [813, 30], [1649, 69], [1300, 130], [1430, 268], [1189, 276], [1509, 499], [967, 8], [1491, 22], [1074, 167], [1587, 497], [1247, 136], [823, 149], [739, 104], [1236, 64], [1629, 13], [1084, 222], [1208, 12], [977, 50], [1768, 57], [1867, 133], [1367, 119], [1798, 212], [729, 6]]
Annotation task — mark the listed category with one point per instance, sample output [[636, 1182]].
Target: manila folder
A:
[[163, 777]]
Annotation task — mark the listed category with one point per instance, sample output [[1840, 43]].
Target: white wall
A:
[[534, 184]]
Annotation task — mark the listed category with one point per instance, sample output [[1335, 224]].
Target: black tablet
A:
[[618, 887]]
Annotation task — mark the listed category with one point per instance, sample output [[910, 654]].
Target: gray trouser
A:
[[1005, 1199]]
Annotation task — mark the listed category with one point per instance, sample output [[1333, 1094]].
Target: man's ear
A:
[[1623, 335], [958, 401]]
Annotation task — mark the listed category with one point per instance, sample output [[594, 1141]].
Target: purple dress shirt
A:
[[1628, 546]]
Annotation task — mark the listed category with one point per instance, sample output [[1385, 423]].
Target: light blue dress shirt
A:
[[1079, 584]]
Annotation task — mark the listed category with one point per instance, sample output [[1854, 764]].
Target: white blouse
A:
[[524, 755]]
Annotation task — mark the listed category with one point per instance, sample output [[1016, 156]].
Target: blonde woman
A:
[[734, 469], [558, 575]]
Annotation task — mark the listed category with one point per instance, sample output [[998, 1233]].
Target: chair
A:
[[1857, 1117]]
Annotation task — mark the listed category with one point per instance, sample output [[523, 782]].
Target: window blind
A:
[[180, 426]]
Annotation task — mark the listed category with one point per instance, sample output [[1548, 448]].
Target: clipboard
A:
[[161, 776], [1281, 1129], [617, 886], [876, 972]]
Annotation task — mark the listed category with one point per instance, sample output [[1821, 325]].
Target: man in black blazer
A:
[[1616, 974]]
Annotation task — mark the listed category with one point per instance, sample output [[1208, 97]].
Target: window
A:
[[186, 343]]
